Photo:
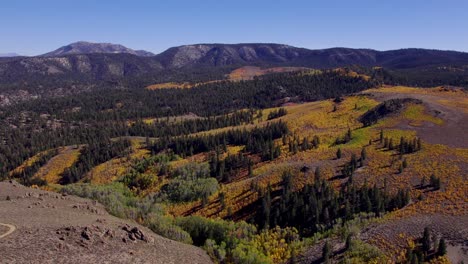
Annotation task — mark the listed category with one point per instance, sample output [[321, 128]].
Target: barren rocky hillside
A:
[[55, 228]]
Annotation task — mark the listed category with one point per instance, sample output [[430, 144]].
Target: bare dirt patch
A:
[[395, 232], [453, 130], [53, 228]]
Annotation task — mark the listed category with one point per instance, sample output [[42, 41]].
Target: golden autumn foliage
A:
[[52, 171]]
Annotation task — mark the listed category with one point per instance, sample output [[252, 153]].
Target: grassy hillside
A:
[[405, 151]]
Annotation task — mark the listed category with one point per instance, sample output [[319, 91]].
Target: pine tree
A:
[[326, 253], [222, 200], [426, 240], [381, 138], [338, 153], [434, 182], [348, 241], [305, 144], [316, 141], [348, 135], [317, 174], [250, 168], [442, 249]]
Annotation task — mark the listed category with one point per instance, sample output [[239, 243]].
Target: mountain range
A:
[[92, 64]]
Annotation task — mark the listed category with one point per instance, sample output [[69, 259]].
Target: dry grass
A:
[[52, 171], [27, 163], [115, 168]]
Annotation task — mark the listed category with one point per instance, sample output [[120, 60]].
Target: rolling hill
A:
[[200, 198]]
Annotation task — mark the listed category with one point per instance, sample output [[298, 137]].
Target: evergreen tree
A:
[[316, 141], [363, 153], [250, 168], [390, 144], [442, 249], [317, 174], [426, 241], [338, 153], [326, 253], [348, 135], [349, 238], [434, 182]]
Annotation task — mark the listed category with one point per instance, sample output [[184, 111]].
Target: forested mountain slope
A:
[[80, 67]]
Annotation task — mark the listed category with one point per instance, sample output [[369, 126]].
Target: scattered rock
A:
[[86, 234], [135, 233]]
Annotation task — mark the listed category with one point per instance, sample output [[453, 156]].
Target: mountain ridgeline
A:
[[83, 65], [83, 47]]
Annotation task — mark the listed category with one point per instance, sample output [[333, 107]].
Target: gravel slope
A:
[[52, 228]]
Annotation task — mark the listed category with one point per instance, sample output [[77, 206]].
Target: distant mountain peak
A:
[[85, 47], [9, 54]]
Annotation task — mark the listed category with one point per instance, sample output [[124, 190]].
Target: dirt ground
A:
[[52, 228], [452, 133], [454, 229]]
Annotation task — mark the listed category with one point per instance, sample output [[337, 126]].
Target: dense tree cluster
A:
[[295, 144], [35, 126], [145, 172], [204, 100], [162, 128], [189, 183], [226, 169], [427, 247], [93, 154], [258, 140], [26, 174], [318, 206], [277, 113]]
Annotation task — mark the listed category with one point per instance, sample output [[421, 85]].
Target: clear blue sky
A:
[[32, 27]]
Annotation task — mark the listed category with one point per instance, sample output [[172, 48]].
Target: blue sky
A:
[[32, 27]]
